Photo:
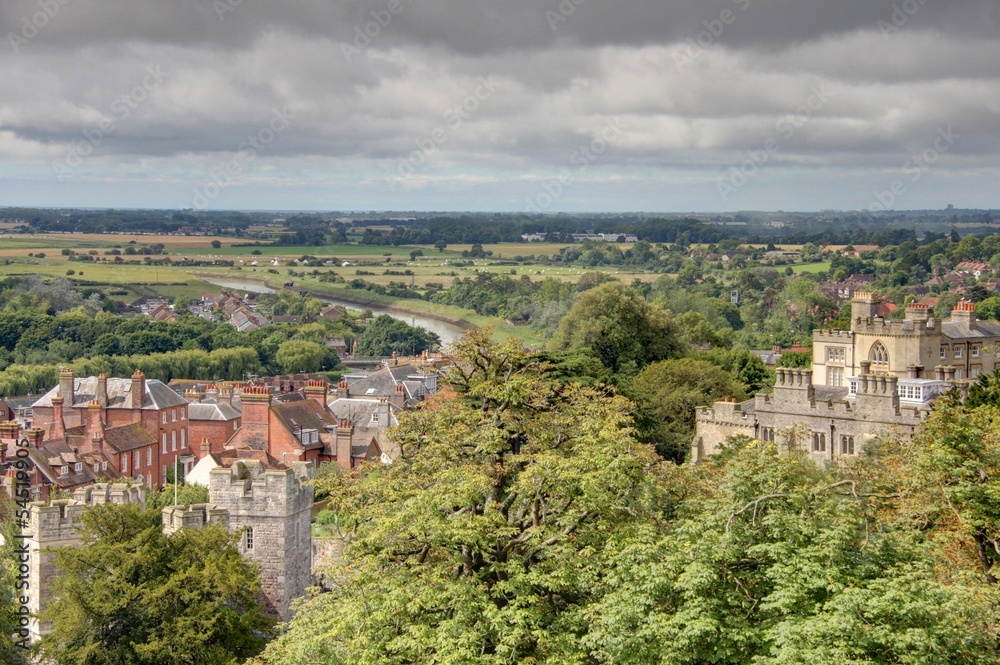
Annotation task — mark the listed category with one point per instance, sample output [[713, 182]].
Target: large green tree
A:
[[618, 327], [131, 594], [479, 544], [387, 335], [298, 355], [666, 395]]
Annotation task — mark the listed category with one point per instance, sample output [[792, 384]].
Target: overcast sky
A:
[[506, 105]]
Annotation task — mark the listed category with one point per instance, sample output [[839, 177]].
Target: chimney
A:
[[399, 396], [93, 431], [964, 313], [102, 390], [34, 436], [212, 394], [316, 390], [343, 392], [345, 435], [919, 313], [256, 415], [395, 359], [192, 396], [66, 387], [137, 395], [58, 424], [205, 449]]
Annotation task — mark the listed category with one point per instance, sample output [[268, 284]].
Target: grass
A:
[[811, 268]]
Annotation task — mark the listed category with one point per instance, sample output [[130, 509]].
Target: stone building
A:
[[271, 510], [880, 377]]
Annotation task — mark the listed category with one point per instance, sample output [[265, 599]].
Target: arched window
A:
[[879, 356]]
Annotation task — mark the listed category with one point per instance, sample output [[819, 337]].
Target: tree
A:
[[617, 326], [440, 245], [387, 335], [296, 356], [131, 594], [667, 394], [216, 244], [479, 543]]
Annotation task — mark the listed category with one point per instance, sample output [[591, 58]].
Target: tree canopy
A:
[[387, 335]]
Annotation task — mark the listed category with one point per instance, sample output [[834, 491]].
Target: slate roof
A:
[[384, 381], [959, 330], [158, 394], [212, 411], [307, 414]]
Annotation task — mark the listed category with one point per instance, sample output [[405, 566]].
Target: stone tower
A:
[[273, 511]]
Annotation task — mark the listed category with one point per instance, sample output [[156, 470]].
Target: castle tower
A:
[[273, 510], [864, 306]]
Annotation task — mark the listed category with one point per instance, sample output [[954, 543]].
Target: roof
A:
[[158, 395], [126, 438], [959, 330], [212, 411], [304, 415], [384, 382]]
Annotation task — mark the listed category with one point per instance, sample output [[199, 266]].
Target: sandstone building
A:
[[880, 377]]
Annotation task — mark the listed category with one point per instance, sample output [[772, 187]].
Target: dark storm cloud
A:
[[379, 88]]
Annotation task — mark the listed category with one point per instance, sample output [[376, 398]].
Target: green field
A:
[[811, 268]]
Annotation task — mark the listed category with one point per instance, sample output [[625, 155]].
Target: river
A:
[[448, 332]]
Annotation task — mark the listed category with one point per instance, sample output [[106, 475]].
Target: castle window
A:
[[958, 352], [249, 539], [846, 445], [879, 356], [819, 442], [836, 354], [975, 352], [836, 377]]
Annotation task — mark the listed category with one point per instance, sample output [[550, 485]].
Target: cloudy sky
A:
[[506, 105]]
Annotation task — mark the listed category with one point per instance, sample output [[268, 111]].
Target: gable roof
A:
[[212, 411], [158, 395], [126, 438]]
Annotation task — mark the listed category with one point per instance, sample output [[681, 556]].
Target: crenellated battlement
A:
[[196, 516]]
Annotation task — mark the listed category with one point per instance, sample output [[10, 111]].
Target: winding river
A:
[[448, 332]]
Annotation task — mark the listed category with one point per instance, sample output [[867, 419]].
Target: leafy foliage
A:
[[387, 335], [131, 594]]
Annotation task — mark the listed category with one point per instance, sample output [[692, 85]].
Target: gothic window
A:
[[847, 445], [879, 356], [819, 442]]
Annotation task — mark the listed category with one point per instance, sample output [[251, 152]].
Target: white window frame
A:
[[958, 352]]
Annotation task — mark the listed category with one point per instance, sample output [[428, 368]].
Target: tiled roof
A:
[[211, 411], [128, 437]]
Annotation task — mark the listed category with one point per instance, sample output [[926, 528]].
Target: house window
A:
[[149, 457], [138, 460], [64, 470], [184, 443], [836, 378], [163, 448], [375, 419], [944, 352], [79, 467], [975, 352], [879, 356], [958, 352], [104, 465], [249, 539], [164, 417], [173, 441], [819, 442], [183, 416], [974, 372], [173, 415], [125, 463], [234, 425], [959, 373], [846, 445]]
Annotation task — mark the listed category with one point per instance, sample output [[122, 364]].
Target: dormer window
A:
[[64, 471], [79, 467]]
